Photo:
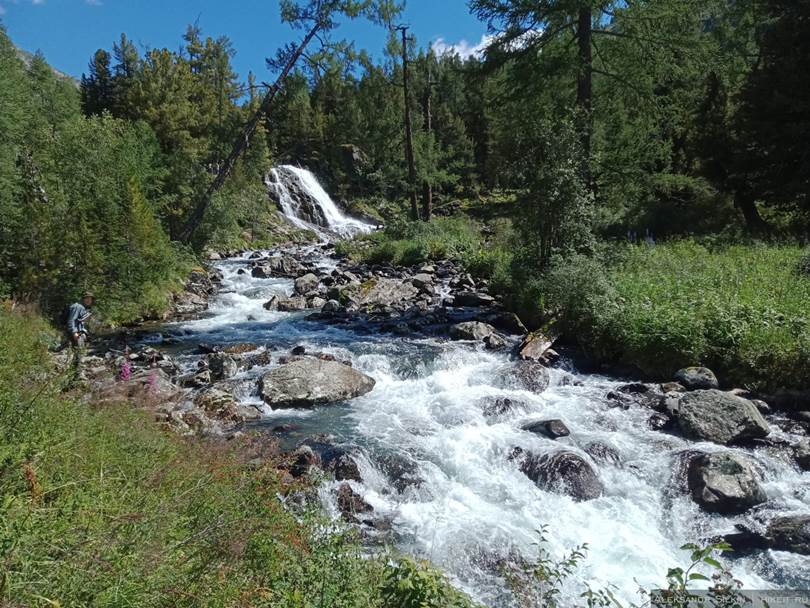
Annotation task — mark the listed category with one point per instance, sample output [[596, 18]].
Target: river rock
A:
[[335, 459], [472, 299], [534, 347], [696, 378], [303, 460], [552, 429], [316, 302], [494, 342], [240, 348], [723, 482], [791, 533], [304, 284], [422, 281], [308, 381], [801, 453], [379, 292], [220, 405], [712, 415], [331, 306], [291, 304], [498, 406], [602, 452], [563, 472], [525, 375], [350, 503], [285, 266], [471, 330], [222, 366]]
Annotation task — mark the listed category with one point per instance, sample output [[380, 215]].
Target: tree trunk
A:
[[585, 87], [242, 142], [427, 187], [748, 207], [408, 131]]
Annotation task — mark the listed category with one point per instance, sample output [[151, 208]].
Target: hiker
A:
[[78, 313]]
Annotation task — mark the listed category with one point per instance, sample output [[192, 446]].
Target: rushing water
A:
[[473, 505]]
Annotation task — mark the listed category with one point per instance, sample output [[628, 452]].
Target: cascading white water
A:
[[472, 507], [307, 205]]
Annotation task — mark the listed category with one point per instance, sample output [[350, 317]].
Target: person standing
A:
[[77, 315]]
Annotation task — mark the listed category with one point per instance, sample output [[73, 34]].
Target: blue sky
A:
[[69, 31]]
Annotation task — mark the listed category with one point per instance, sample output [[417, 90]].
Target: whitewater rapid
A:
[[473, 507]]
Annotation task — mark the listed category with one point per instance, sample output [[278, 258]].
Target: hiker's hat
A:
[[88, 294]]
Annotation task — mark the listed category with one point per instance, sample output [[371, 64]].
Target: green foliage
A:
[[411, 584], [739, 310]]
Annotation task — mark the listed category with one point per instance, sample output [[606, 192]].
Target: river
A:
[[471, 506]]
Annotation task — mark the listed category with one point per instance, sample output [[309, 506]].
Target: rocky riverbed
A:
[[443, 427]]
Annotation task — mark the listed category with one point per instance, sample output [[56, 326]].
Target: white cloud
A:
[[462, 48], [37, 1], [93, 2]]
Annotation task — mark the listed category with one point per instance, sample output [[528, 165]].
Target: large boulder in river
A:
[[523, 375], [471, 330], [473, 299], [552, 429], [380, 292], [723, 482], [712, 415], [309, 381], [696, 378], [305, 284], [535, 345], [791, 533], [563, 472]]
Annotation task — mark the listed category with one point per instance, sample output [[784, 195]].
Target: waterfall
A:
[[307, 205]]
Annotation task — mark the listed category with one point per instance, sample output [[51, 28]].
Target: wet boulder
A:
[[712, 415], [306, 283], [551, 429], [222, 366], [307, 382], [801, 453], [303, 461], [471, 330], [350, 503], [723, 482], [535, 345], [696, 378], [335, 459], [494, 342], [604, 453], [791, 533], [563, 472], [523, 375]]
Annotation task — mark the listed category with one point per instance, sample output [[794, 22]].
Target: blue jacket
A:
[[77, 315]]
